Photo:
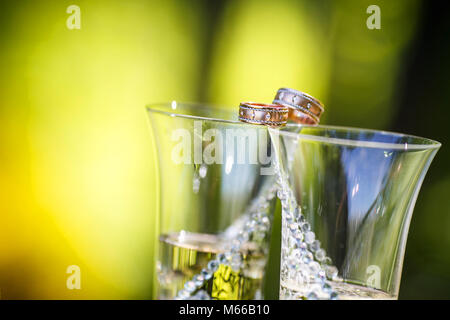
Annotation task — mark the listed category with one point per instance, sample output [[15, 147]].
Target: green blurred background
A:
[[77, 174]]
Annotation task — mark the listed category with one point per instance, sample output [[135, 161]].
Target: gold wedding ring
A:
[[303, 108], [265, 114]]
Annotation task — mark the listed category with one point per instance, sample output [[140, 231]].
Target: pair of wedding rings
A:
[[288, 105]]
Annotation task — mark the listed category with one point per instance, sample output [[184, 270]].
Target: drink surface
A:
[[183, 255], [346, 291]]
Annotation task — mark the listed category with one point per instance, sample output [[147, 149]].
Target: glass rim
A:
[[425, 145], [167, 107]]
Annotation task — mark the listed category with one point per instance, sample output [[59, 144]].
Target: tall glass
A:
[[348, 196], [217, 192]]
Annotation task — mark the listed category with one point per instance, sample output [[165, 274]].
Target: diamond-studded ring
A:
[[303, 107], [265, 114]]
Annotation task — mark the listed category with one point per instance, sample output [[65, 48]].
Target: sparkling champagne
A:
[[183, 255]]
